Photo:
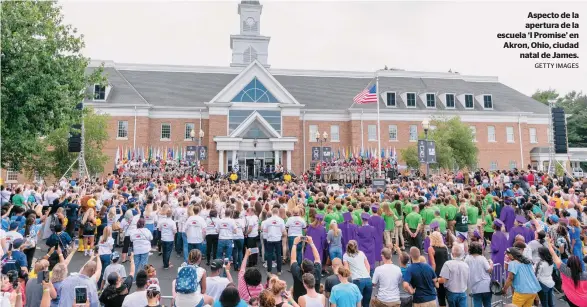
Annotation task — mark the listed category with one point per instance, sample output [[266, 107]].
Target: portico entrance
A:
[[253, 164]]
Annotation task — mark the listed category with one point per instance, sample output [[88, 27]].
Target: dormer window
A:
[[430, 101], [249, 55], [450, 101], [99, 92], [469, 104], [390, 99], [487, 102], [411, 100]]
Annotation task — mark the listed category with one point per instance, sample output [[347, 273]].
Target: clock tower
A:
[[249, 44]]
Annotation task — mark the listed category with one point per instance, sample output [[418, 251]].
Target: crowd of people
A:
[[490, 235]]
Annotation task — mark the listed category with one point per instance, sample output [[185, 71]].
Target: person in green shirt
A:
[[18, 200], [330, 215], [389, 219], [356, 214], [427, 215], [451, 211], [442, 208], [473, 214], [441, 222], [488, 225], [414, 227], [397, 209]]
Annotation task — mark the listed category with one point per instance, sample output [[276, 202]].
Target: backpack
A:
[[54, 221], [187, 280]]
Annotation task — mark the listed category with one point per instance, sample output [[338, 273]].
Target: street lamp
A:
[[426, 126], [321, 140]]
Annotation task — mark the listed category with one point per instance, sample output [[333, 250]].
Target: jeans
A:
[[184, 241], [456, 299], [224, 249], [273, 249], [299, 253], [482, 299], [546, 296], [197, 246], [179, 243], [237, 252], [105, 259], [366, 288], [334, 252], [167, 247], [140, 261]]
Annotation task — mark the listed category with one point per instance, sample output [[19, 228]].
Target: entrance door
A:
[[250, 167]]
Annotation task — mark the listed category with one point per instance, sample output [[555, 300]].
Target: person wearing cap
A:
[[499, 243], [348, 229], [317, 231], [366, 240], [379, 224], [414, 227], [508, 215], [114, 266], [14, 259], [13, 233], [215, 283], [518, 229], [153, 296], [118, 287]]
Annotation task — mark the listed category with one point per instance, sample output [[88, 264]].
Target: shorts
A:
[[375, 302], [126, 244], [426, 304]]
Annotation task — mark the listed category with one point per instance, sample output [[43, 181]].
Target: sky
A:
[[334, 35]]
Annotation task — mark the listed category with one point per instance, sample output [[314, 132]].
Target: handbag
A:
[[116, 226], [89, 227]]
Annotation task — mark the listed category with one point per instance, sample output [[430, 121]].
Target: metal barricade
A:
[[499, 274], [165, 299]]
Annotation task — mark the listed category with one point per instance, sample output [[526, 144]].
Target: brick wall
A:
[[218, 126]]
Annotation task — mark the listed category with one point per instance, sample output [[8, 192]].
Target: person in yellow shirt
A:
[[287, 177], [233, 177]]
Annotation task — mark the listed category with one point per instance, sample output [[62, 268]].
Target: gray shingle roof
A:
[[183, 89]]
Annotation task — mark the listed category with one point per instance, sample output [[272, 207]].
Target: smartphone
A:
[[284, 294], [254, 250], [81, 295], [76, 242], [304, 239], [43, 276], [226, 260]]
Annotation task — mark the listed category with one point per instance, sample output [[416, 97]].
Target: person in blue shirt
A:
[[14, 259], [230, 298], [420, 279], [71, 211], [345, 294], [521, 278], [58, 238]]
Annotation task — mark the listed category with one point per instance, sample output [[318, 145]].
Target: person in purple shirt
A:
[[317, 231], [366, 239], [349, 230], [499, 243], [518, 229], [508, 215], [379, 223]]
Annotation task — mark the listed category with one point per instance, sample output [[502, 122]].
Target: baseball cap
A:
[[115, 256], [216, 264], [13, 225], [17, 243], [154, 288]]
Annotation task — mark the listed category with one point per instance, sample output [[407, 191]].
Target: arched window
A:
[[249, 55], [255, 91]]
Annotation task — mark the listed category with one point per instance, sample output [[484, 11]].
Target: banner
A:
[[431, 152], [190, 153], [315, 153], [327, 153], [202, 153], [422, 151]]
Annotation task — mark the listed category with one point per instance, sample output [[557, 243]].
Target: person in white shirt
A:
[[167, 229], [12, 233], [128, 224], [295, 226], [251, 232], [274, 230], [226, 229], [239, 239], [141, 242], [150, 216], [211, 235], [180, 215], [388, 278], [139, 297], [215, 283], [195, 229], [105, 248]]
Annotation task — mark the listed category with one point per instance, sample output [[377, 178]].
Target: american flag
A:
[[368, 95]]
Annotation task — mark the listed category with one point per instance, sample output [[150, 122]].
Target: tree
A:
[[575, 105], [56, 159], [454, 145], [42, 78]]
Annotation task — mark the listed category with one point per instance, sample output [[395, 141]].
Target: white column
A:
[[221, 161], [277, 153], [289, 160], [234, 158]]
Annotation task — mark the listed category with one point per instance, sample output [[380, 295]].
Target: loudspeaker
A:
[[75, 139], [560, 130]]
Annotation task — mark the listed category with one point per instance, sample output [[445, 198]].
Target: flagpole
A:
[[378, 125]]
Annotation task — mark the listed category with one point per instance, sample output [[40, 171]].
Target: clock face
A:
[[250, 21]]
